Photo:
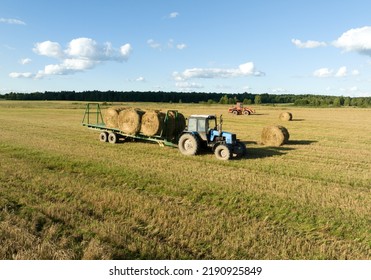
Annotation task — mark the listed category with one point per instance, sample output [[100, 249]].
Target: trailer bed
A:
[[93, 119]]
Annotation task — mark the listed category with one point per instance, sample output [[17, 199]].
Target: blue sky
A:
[[288, 47]]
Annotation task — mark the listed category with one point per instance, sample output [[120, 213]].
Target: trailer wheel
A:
[[103, 136], [188, 144], [112, 138], [222, 152]]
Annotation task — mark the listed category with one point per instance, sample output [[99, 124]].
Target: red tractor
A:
[[238, 109]]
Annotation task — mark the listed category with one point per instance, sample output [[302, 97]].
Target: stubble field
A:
[[65, 195]]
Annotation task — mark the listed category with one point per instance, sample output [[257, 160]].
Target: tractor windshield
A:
[[211, 124]]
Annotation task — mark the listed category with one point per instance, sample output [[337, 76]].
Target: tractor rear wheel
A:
[[246, 112], [188, 144], [222, 152], [235, 112], [112, 138]]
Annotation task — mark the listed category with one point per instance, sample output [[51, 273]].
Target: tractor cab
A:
[[202, 125]]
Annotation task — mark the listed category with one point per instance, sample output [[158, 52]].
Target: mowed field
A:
[[65, 195]]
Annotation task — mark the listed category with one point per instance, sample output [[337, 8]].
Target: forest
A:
[[193, 97]]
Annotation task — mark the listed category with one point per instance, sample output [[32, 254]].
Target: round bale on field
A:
[[285, 116], [274, 135], [129, 121], [110, 116]]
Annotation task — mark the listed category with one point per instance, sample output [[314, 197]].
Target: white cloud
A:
[[279, 90], [357, 39], [25, 61], [12, 21], [341, 72], [81, 54], [181, 46], [125, 51], [246, 69], [48, 48], [308, 44], [323, 73], [355, 72], [153, 44], [20, 75], [140, 79], [173, 15], [188, 85], [169, 45], [83, 47]]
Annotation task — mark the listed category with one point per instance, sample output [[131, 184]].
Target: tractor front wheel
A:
[[188, 144], [222, 152]]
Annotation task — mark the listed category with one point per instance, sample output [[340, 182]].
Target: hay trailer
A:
[[93, 119]]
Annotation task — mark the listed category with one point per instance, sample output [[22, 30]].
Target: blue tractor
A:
[[203, 131]]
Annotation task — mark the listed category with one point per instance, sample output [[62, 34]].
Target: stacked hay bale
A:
[[274, 135], [158, 123], [129, 120], [180, 124], [110, 116], [285, 116], [169, 128], [149, 123], [152, 122]]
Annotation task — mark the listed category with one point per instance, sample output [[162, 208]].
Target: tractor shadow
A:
[[297, 120], [258, 151], [301, 142], [264, 152]]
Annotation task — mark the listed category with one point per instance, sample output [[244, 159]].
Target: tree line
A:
[[192, 97]]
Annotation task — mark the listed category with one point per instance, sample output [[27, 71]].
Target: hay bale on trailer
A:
[[274, 135], [285, 116], [175, 124], [152, 122], [170, 125], [180, 123], [110, 116], [129, 121]]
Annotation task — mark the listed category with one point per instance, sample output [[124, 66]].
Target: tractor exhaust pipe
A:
[[220, 126]]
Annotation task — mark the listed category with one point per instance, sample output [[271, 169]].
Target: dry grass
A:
[[65, 195]]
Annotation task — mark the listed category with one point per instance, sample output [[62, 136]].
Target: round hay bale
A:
[[285, 116], [180, 123], [274, 135], [169, 128], [129, 121], [152, 122], [286, 134], [110, 116]]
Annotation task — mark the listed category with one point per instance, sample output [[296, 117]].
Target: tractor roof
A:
[[203, 116]]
